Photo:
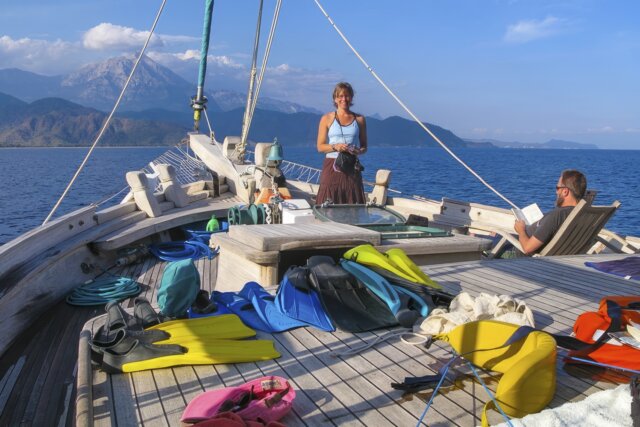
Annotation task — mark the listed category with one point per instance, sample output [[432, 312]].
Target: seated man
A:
[[570, 189]]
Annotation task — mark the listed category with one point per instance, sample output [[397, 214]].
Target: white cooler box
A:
[[297, 211]]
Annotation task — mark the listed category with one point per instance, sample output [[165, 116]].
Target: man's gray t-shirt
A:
[[544, 229]]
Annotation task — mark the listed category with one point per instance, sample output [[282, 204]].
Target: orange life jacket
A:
[[613, 315]]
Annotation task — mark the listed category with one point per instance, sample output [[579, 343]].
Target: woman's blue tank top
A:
[[338, 134]]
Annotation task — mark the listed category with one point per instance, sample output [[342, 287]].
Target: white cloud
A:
[[603, 129], [107, 36], [528, 30], [299, 85], [39, 56], [479, 131]]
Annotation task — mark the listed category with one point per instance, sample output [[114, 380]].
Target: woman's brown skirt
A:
[[339, 187]]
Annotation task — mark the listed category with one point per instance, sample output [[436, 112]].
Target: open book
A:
[[528, 214]]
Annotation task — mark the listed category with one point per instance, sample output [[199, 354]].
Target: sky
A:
[[510, 70]]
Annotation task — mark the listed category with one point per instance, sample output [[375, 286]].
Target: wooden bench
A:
[[262, 253], [197, 211], [253, 252]]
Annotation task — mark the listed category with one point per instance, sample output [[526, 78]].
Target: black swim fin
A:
[[352, 306]]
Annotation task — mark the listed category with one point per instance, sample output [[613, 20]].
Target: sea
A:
[[33, 179]]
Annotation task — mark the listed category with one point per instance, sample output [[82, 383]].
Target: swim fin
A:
[[375, 282], [226, 326], [296, 299], [204, 340], [400, 258], [242, 306], [264, 304], [438, 298], [140, 356], [371, 257], [405, 305], [351, 306]]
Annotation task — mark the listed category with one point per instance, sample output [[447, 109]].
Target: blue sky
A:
[[511, 70]]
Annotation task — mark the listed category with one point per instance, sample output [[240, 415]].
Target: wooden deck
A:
[[37, 386]]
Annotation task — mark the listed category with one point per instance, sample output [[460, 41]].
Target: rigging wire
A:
[[399, 101], [263, 67], [108, 121], [252, 78]]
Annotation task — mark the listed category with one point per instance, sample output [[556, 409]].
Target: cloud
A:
[[39, 56], [603, 129], [526, 31], [110, 37]]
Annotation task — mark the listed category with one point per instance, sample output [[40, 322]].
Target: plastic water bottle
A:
[[213, 224]]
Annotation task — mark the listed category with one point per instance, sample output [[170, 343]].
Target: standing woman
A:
[[341, 131]]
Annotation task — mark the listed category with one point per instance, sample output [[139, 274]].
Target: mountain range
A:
[[69, 110], [552, 143]]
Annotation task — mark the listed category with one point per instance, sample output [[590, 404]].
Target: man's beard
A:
[[559, 201]]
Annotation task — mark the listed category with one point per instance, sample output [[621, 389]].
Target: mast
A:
[[199, 101]]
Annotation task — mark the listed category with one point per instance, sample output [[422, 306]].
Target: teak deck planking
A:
[[38, 375], [356, 389]]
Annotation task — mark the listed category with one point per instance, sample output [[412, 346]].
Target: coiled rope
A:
[[422, 125], [176, 251], [108, 121], [101, 291]]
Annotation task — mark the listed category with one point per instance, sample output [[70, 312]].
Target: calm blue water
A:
[[34, 178]]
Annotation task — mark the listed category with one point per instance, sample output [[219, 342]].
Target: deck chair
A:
[[577, 234]]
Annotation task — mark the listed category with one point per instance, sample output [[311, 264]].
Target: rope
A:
[[422, 125], [252, 78], [108, 121], [177, 251], [100, 292], [263, 67], [378, 339]]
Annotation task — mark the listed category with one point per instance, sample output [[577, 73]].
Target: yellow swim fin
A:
[[398, 263], [400, 258], [199, 341], [224, 326]]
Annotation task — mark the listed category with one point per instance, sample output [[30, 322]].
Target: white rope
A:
[[272, 30], [106, 123], [367, 345], [409, 111]]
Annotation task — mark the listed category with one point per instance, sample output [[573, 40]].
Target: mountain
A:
[[301, 128], [28, 86], [98, 85], [55, 122], [58, 122], [552, 143], [228, 100], [153, 87]]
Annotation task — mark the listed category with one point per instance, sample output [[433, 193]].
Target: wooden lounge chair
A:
[[576, 236]]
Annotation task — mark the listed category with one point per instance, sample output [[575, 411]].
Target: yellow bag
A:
[[528, 365]]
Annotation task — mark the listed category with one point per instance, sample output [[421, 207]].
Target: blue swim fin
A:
[[296, 299], [352, 306], [378, 284], [263, 303], [415, 302], [241, 307]]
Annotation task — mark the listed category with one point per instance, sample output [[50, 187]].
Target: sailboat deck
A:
[[356, 389]]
